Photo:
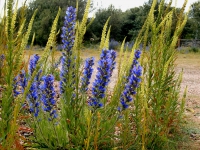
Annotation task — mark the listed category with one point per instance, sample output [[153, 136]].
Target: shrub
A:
[[113, 44], [194, 49]]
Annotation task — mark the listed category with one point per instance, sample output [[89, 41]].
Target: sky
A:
[[126, 4], [122, 4]]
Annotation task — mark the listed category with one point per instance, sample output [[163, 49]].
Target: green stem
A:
[[46, 141]]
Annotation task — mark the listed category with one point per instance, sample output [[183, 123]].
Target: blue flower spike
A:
[[20, 83], [68, 38], [33, 99], [132, 83], [87, 73], [48, 96], [68, 30], [32, 63], [104, 72]]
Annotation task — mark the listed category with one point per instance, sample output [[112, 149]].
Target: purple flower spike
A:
[[133, 81], [2, 57], [48, 94], [68, 30], [87, 73], [68, 37], [20, 83], [32, 64], [104, 72], [33, 99]]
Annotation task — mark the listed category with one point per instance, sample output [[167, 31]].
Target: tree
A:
[[101, 17], [132, 23], [195, 18], [192, 27], [47, 11]]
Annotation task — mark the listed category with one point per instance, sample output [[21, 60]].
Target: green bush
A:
[[194, 49]]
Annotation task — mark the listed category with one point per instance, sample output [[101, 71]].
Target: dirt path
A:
[[190, 63]]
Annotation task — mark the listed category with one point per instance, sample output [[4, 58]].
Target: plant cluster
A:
[[143, 111]]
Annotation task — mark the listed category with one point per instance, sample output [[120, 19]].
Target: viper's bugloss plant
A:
[[106, 65], [33, 99], [13, 40], [31, 68], [68, 30], [63, 74], [87, 73], [20, 83], [2, 57], [32, 63], [133, 81], [48, 95], [76, 122], [68, 38], [34, 92]]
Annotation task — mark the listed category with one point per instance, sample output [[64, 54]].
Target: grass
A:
[[188, 60], [183, 60]]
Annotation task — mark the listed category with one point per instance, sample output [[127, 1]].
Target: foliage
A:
[[101, 17], [143, 111], [158, 102], [12, 45], [113, 44], [47, 14], [194, 49], [133, 20], [192, 27]]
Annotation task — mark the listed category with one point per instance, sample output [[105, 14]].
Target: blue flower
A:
[[104, 72], [63, 74], [132, 83], [135, 61], [32, 63], [87, 73], [113, 57], [20, 82], [68, 38], [2, 57], [68, 30], [34, 93], [48, 94], [33, 99]]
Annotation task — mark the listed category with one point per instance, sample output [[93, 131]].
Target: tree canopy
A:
[[47, 11], [123, 24], [192, 28]]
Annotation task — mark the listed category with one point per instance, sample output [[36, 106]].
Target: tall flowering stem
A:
[[48, 95], [87, 73], [34, 93], [33, 99], [104, 72], [32, 63], [68, 38], [132, 83], [68, 30]]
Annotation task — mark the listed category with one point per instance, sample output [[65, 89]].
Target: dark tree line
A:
[[46, 14], [123, 24]]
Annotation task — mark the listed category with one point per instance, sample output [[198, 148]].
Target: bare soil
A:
[[190, 63]]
